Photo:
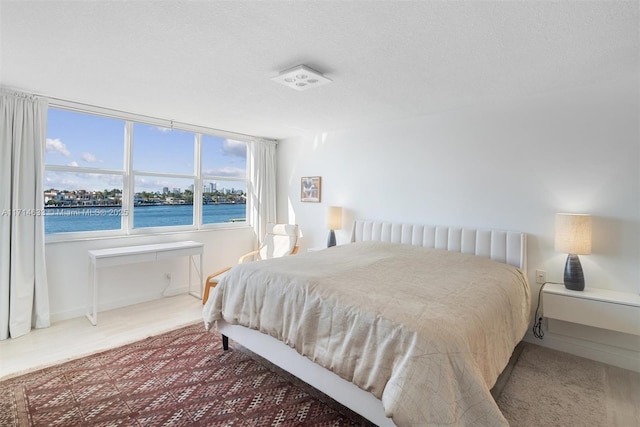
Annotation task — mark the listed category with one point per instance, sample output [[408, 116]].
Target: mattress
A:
[[426, 331]]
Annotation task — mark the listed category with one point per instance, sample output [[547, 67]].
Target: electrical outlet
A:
[[541, 276]]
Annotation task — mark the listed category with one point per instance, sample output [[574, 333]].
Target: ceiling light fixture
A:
[[301, 78]]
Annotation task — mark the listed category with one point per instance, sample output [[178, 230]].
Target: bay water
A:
[[93, 218]]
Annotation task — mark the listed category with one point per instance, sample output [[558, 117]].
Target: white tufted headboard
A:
[[509, 247]]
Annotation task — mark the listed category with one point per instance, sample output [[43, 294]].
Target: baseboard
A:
[[615, 356]]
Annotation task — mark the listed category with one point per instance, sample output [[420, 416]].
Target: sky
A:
[[82, 140]]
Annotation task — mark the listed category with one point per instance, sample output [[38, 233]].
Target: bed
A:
[[408, 325]]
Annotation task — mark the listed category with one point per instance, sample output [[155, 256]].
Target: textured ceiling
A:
[[210, 63]]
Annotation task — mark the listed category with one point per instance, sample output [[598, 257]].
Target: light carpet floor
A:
[[551, 388]]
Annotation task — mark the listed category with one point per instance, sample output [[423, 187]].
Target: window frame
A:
[[129, 175]]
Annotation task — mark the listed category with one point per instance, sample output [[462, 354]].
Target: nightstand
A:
[[600, 308]]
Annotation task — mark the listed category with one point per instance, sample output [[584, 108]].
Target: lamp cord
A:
[[538, 331]]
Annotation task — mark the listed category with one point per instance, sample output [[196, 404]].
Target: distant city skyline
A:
[[71, 198]]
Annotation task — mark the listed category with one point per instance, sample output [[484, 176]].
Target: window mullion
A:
[[127, 193], [80, 169], [197, 190], [164, 175]]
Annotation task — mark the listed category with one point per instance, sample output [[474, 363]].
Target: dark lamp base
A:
[[573, 276], [331, 241]]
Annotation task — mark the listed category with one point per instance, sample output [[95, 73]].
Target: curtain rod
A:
[[154, 120]]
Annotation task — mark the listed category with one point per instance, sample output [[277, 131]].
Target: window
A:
[[164, 176], [115, 175], [224, 172], [84, 173]]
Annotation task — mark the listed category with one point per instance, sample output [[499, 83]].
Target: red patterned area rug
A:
[[180, 378]]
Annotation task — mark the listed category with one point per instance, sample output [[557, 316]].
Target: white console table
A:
[[135, 254]]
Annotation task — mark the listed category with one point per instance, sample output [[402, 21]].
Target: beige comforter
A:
[[426, 331]]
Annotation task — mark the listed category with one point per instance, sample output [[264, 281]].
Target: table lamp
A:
[[334, 222], [573, 237]]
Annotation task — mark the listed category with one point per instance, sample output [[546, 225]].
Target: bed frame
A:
[[502, 246]]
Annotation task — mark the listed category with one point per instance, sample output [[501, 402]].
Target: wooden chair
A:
[[280, 240]]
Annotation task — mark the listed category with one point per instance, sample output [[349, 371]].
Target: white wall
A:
[[68, 269], [509, 165]]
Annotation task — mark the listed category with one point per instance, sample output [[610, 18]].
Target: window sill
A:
[[117, 234]]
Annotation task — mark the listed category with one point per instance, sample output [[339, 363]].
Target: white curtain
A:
[[262, 166], [24, 298]]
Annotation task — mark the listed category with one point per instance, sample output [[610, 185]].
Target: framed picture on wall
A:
[[310, 188]]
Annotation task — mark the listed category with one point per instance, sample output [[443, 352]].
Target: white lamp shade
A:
[[573, 233], [334, 218]]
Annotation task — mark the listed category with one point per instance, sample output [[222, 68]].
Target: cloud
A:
[[74, 164], [143, 183], [89, 158], [163, 129], [234, 148], [57, 146], [227, 171], [82, 181]]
